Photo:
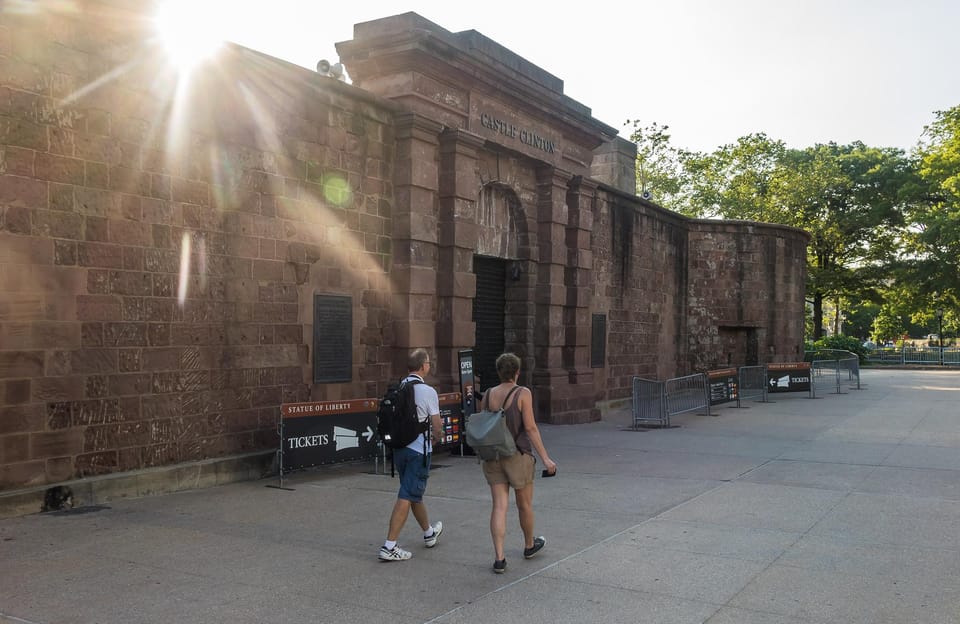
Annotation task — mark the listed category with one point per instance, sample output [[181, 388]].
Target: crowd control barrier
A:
[[648, 403], [844, 367], [752, 383], [686, 394]]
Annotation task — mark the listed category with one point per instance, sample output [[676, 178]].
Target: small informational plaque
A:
[[332, 338], [598, 341]]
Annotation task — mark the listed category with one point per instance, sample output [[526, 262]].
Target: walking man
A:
[[413, 464]]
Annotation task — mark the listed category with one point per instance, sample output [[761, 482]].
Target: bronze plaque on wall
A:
[[332, 338], [598, 341]]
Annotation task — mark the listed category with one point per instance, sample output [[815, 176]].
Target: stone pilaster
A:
[[415, 251], [615, 163], [550, 377], [578, 280], [457, 232]]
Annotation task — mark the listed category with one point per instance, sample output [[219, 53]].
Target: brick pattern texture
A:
[[160, 245]]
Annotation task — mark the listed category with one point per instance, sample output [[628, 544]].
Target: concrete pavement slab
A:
[[827, 476], [758, 506], [919, 568], [682, 574], [557, 601], [843, 597], [797, 511], [711, 539], [895, 519]]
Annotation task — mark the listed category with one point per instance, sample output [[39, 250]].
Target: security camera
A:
[[646, 195]]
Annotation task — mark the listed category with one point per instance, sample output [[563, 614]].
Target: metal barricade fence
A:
[[648, 403], [824, 375], [685, 394], [848, 373], [912, 355], [951, 355], [752, 383], [915, 355]]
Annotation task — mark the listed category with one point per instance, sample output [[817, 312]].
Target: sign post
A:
[[468, 393]]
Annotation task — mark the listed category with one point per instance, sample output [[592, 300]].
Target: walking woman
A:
[[516, 471]]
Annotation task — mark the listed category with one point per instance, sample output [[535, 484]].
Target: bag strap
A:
[[506, 400]]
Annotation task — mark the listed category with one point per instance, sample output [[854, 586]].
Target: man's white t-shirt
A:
[[428, 403]]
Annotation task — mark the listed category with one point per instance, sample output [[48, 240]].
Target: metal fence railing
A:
[[826, 371], [686, 394], [752, 383], [948, 356], [847, 367], [648, 403], [824, 377], [849, 373]]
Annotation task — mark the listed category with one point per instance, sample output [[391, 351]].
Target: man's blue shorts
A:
[[413, 474]]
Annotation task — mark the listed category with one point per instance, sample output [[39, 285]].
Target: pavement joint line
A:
[[535, 573], [4, 617], [792, 544], [567, 558]]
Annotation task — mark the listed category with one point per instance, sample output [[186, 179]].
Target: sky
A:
[[801, 71]]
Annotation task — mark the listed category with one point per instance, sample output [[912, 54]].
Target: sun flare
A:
[[190, 31]]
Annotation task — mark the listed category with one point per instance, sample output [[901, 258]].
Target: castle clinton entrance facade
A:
[[178, 259]]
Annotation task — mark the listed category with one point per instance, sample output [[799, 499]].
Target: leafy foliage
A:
[[660, 170], [884, 225], [931, 254], [842, 343]]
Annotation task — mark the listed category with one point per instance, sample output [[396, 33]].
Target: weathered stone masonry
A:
[[161, 246]]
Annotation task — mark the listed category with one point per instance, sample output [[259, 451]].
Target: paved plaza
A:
[[841, 509]]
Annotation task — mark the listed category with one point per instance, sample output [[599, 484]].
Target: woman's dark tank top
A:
[[514, 418]]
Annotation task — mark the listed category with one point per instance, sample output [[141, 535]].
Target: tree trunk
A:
[[817, 316], [837, 325]]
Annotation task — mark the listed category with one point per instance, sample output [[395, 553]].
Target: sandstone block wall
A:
[[160, 255]]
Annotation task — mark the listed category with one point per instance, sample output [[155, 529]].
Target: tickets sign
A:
[[327, 432], [788, 377]]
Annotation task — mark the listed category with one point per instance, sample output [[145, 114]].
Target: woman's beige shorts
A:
[[517, 470]]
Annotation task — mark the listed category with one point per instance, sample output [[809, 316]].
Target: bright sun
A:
[[191, 31]]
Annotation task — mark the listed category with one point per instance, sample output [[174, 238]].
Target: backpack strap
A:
[[506, 400]]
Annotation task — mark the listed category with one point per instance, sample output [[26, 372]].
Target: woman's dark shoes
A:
[[500, 566], [538, 544]]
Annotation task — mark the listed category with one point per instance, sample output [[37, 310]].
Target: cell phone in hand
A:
[[546, 473]]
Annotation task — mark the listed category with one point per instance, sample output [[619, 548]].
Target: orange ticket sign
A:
[[327, 432], [788, 377], [451, 415], [723, 385]]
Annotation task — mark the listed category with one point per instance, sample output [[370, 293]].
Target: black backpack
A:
[[397, 422]]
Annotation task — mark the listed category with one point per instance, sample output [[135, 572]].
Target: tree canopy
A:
[[884, 224]]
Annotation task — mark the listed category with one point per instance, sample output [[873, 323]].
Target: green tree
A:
[[848, 197], [889, 325], [660, 171], [931, 255]]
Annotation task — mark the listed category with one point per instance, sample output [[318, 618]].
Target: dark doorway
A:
[[489, 307]]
